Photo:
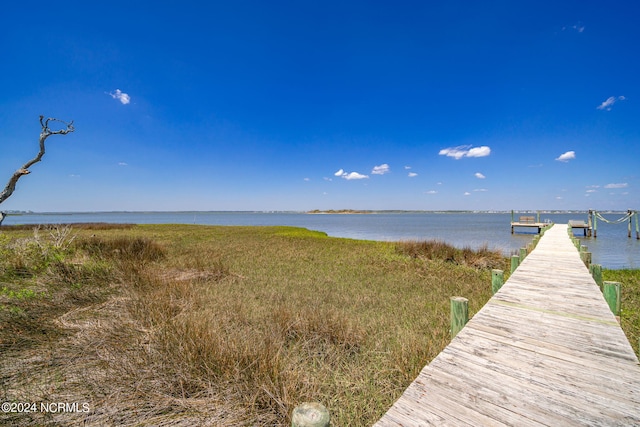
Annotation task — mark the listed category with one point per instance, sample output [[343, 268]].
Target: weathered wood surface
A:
[[529, 224], [546, 350]]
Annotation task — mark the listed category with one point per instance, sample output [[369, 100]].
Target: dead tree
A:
[[24, 170]]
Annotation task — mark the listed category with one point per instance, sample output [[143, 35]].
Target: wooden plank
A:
[[545, 350]]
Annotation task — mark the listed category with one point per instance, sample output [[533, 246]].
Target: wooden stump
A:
[[310, 414]]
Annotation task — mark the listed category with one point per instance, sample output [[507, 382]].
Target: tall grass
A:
[[193, 325], [439, 250]]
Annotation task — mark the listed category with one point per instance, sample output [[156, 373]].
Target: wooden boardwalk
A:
[[544, 351]]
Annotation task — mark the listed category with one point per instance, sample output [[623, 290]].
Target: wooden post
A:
[[611, 292], [497, 280], [459, 314], [511, 221], [637, 229], [585, 255], [311, 414], [596, 273], [629, 226], [515, 262], [523, 254], [538, 217], [595, 224]]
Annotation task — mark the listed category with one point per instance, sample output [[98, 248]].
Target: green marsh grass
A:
[[206, 325]]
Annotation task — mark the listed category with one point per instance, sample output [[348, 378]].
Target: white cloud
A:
[[431, 192], [350, 175], [592, 191], [407, 167], [123, 164], [412, 175], [307, 179], [466, 193], [465, 151], [479, 175], [380, 170], [606, 105], [121, 96], [481, 190], [620, 185], [354, 175], [483, 151], [565, 157]]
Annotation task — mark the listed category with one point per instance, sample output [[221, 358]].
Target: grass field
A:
[[205, 325]]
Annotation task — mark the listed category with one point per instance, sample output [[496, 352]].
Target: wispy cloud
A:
[[479, 175], [606, 105], [465, 151], [431, 192], [350, 175], [579, 27], [120, 96], [565, 157], [381, 170], [123, 164], [412, 175], [619, 185], [466, 193], [480, 190]]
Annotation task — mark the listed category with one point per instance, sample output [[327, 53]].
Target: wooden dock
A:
[[546, 350], [528, 222]]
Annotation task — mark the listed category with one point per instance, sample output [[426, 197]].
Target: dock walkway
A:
[[545, 350]]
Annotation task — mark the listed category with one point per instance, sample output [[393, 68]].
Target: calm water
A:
[[612, 248]]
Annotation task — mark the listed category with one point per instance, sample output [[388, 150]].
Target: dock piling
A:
[[497, 280], [611, 292], [515, 262], [596, 273], [459, 314]]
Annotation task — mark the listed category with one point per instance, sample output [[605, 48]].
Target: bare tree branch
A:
[[24, 170]]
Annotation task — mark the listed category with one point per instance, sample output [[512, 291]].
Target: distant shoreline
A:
[[339, 212]]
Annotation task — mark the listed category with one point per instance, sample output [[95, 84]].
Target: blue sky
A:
[[299, 105]]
